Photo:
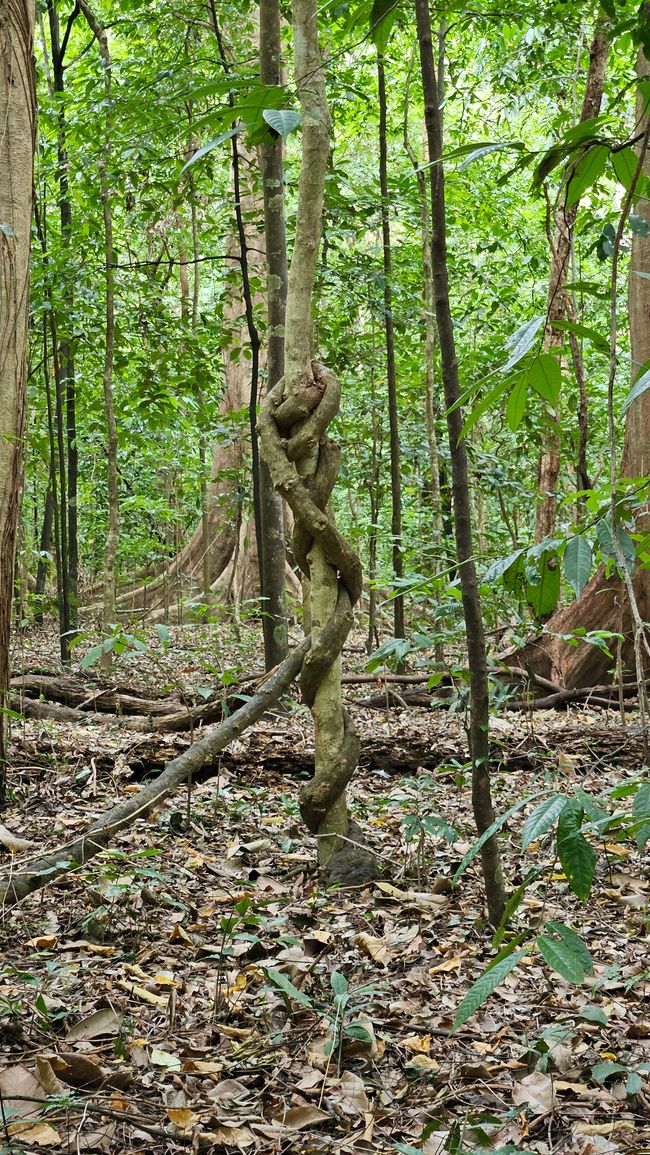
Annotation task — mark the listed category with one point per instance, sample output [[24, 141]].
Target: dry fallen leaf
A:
[[297, 1118], [42, 1134], [374, 947], [105, 1022], [13, 842], [419, 1044], [536, 1091]]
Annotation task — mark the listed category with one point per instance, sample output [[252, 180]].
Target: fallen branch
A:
[[39, 872]]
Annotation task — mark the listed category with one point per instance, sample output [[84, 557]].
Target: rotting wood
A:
[[36, 874]]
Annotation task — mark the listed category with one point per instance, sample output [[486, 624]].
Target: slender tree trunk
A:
[[45, 545], [17, 140], [391, 375], [559, 306], [113, 530], [66, 382], [474, 630], [272, 549]]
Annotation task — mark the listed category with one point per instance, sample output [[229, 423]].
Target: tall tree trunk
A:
[[559, 305], [63, 352], [604, 603], [273, 549], [113, 529], [17, 140], [391, 374], [474, 630]]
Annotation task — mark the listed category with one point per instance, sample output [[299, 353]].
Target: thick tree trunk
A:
[[604, 603], [17, 139], [474, 630], [559, 305]]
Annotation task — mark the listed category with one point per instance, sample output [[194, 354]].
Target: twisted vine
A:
[[303, 462]]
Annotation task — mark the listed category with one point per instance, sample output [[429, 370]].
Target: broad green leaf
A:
[[574, 942], [522, 341], [594, 1015], [586, 172], [641, 385], [492, 829], [561, 958], [542, 818], [599, 340], [339, 984], [500, 566], [577, 560], [606, 541], [545, 376], [625, 162], [542, 595], [578, 858], [358, 1032], [486, 149], [641, 812], [210, 146], [634, 1083], [483, 987], [382, 19], [284, 984], [282, 120], [516, 406], [603, 1071], [476, 412]]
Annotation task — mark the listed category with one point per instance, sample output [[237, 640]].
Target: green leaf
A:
[[339, 984], [586, 172], [641, 812], [634, 1083], [574, 942], [545, 376], [210, 146], [477, 411], [286, 987], [516, 407], [501, 566], [561, 958], [492, 829], [606, 541], [594, 1015], [483, 987], [577, 560], [91, 657], [282, 120], [578, 858], [481, 150], [542, 818], [603, 1071], [357, 1031], [522, 341], [641, 385], [382, 19], [542, 596], [599, 340]]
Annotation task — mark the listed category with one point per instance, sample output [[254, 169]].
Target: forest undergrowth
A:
[[195, 987]]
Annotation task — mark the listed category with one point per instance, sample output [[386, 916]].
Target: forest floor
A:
[[196, 988]]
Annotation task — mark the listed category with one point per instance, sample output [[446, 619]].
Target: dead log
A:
[[102, 699], [36, 874]]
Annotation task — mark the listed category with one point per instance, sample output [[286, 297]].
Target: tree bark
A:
[[391, 374], [304, 465], [273, 551], [559, 304], [17, 140], [474, 630]]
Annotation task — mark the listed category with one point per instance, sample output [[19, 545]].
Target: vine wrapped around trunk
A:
[[303, 463]]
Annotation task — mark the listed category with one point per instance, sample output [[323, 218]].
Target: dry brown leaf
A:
[[13, 842], [297, 1118], [43, 941], [105, 1022], [419, 1044], [228, 1136], [18, 1087], [536, 1091], [46, 1077], [424, 1063], [374, 947], [183, 1118], [42, 1134], [450, 964]]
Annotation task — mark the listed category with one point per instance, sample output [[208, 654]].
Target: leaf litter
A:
[[196, 988]]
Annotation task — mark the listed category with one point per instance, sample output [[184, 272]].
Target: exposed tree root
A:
[[64, 859]]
